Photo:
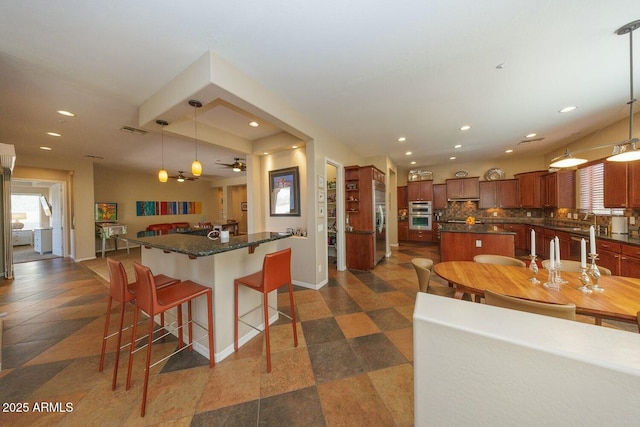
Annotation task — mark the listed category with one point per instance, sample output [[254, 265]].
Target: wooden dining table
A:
[[620, 299]]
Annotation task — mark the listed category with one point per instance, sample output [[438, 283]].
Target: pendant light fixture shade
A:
[[196, 166], [567, 161], [163, 176], [628, 151]]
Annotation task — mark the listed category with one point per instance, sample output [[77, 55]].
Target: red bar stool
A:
[[123, 292], [275, 273], [153, 301]]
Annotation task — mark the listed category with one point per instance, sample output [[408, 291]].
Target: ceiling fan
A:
[[237, 165], [181, 177]]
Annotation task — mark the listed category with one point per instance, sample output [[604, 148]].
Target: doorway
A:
[[335, 215]]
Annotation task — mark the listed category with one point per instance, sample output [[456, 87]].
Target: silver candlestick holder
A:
[[552, 282], [559, 279], [533, 266], [594, 272], [584, 279]]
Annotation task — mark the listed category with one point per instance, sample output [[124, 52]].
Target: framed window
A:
[[592, 190], [284, 192]]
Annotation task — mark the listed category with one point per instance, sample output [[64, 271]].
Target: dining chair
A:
[[574, 266], [275, 274], [562, 311], [499, 259], [124, 292], [423, 268], [154, 301]]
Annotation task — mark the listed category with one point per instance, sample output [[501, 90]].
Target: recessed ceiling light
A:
[[508, 151], [408, 153], [452, 158], [294, 146], [46, 148], [413, 163], [402, 139], [465, 127], [457, 146], [265, 153], [53, 134], [66, 113], [254, 124], [567, 109], [530, 135]]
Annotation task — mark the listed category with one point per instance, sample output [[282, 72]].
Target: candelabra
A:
[[534, 269], [584, 279], [552, 282], [559, 279], [594, 272]]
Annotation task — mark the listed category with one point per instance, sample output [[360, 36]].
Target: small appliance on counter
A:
[[619, 225]]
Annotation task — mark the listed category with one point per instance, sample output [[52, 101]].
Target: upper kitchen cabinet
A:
[[499, 194], [633, 183], [403, 201], [529, 189], [558, 189], [463, 188], [420, 191], [615, 185], [439, 196]]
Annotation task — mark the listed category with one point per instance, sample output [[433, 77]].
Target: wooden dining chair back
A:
[[499, 259], [423, 268], [154, 301], [563, 311], [275, 273], [574, 266]]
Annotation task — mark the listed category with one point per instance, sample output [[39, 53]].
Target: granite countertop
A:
[[200, 245], [475, 228]]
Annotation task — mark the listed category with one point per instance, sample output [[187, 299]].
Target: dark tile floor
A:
[[353, 364]]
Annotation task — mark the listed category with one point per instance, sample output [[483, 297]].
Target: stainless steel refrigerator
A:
[[379, 213]]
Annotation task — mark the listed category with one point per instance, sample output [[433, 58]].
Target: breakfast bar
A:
[[213, 263]]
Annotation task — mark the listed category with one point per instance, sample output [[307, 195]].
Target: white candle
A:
[[533, 242], [592, 239], [557, 250], [552, 257], [583, 253]]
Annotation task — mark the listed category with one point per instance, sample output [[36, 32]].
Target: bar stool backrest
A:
[[118, 282], [146, 293], [276, 269]]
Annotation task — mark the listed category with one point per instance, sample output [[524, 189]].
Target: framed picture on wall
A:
[[284, 194], [321, 196], [320, 181], [320, 210]]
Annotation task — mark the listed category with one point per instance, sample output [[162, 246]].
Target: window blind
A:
[[592, 190]]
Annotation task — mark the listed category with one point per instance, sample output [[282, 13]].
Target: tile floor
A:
[[353, 364]]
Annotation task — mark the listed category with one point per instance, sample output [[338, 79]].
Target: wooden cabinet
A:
[[439, 196], [499, 194], [403, 231], [420, 235], [464, 246], [403, 201], [633, 184], [521, 240], [420, 191], [540, 247], [558, 189], [22, 237], [615, 184], [609, 255], [352, 189], [42, 240], [360, 254], [463, 188], [630, 261], [529, 189]]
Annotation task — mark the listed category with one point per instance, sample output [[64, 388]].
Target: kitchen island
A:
[[214, 264], [461, 242]]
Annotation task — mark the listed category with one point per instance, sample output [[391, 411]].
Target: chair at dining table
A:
[[423, 268], [574, 266], [562, 311], [499, 259]]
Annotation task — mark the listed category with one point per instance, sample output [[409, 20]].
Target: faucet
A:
[[595, 218]]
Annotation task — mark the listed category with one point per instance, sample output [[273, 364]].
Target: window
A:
[[592, 190], [29, 204]]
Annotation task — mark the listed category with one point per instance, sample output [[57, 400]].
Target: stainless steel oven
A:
[[420, 208], [420, 215]]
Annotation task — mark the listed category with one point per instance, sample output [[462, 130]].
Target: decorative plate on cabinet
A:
[[461, 174], [494, 174]]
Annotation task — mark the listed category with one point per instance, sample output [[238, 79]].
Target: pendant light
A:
[[628, 150], [196, 166], [567, 161], [163, 176]]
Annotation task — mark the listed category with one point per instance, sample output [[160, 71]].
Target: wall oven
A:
[[420, 216]]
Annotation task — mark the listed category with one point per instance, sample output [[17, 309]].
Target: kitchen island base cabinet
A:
[[218, 272], [455, 246], [359, 250]]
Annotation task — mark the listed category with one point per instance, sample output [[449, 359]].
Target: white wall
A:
[[480, 365]]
